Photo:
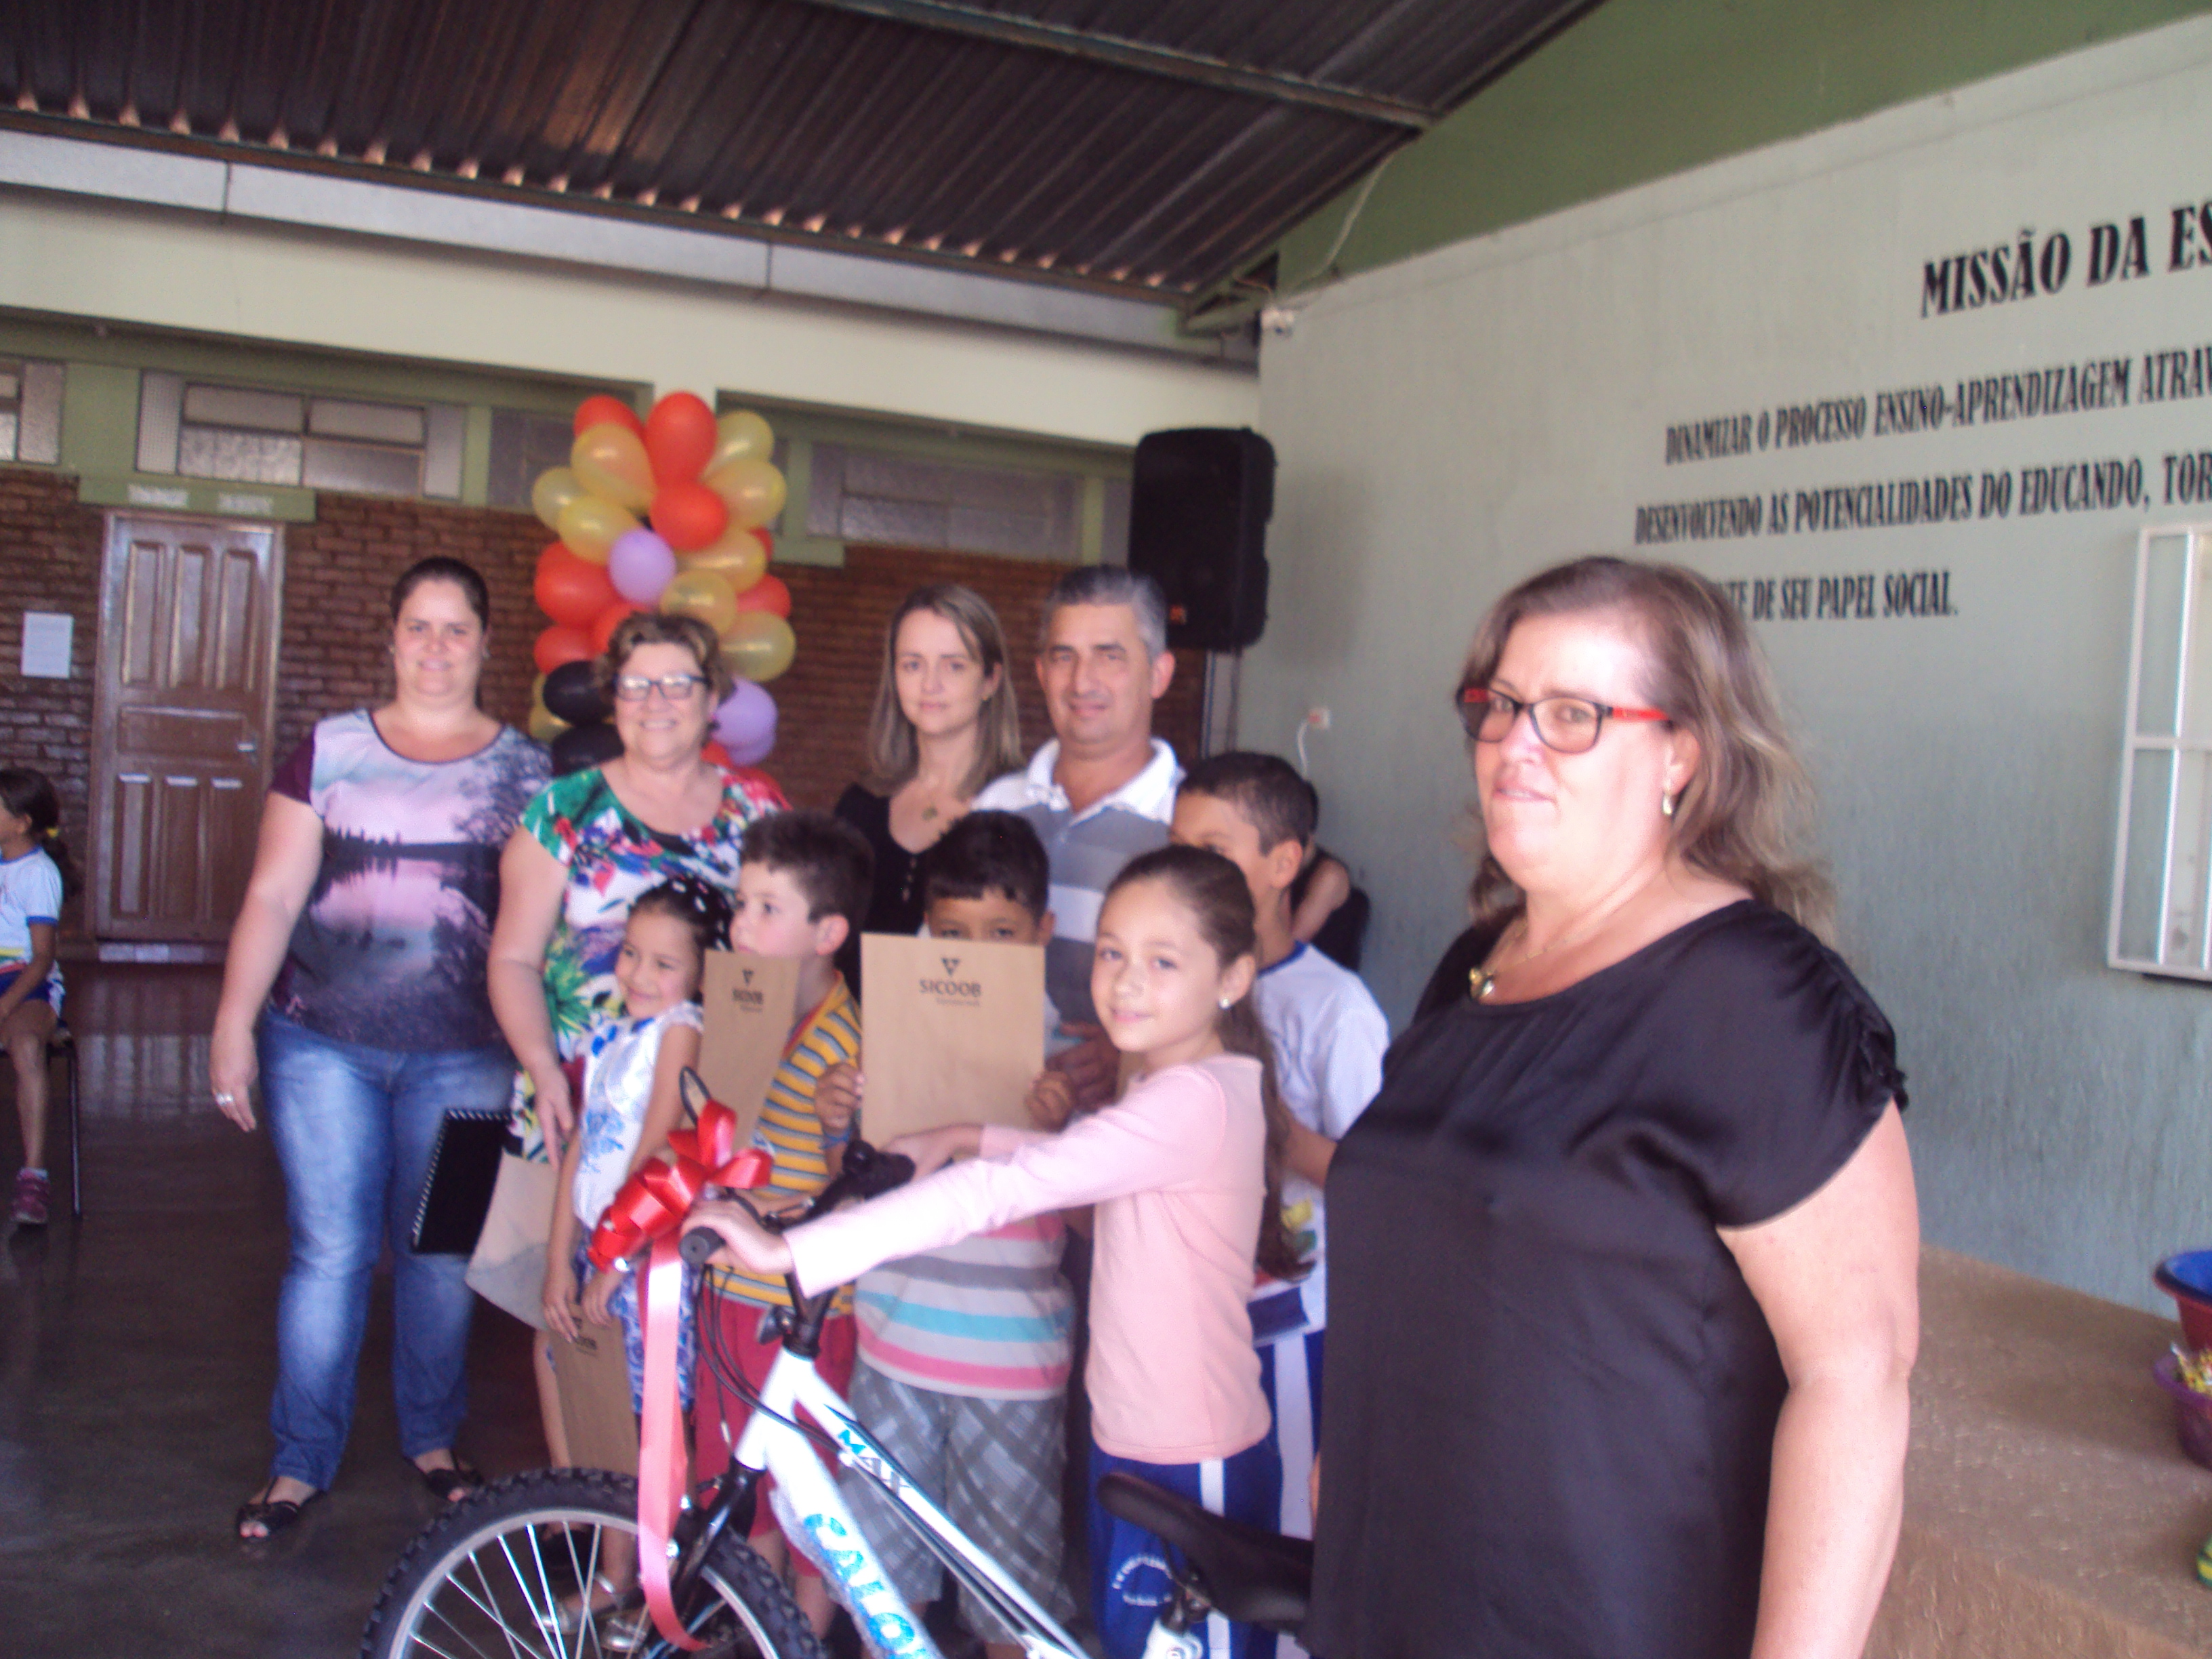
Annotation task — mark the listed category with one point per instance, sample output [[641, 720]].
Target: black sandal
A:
[[272, 1517], [450, 1486]]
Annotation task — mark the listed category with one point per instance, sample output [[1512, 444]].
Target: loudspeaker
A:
[[1198, 526]]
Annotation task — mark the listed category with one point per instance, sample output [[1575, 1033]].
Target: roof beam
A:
[[1193, 68]]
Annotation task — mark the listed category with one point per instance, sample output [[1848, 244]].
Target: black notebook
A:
[[456, 1193]]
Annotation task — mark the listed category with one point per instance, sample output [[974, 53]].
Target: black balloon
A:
[[572, 693], [580, 746]]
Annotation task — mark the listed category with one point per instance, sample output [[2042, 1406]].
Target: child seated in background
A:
[[964, 1349], [802, 888], [1328, 1036], [34, 868]]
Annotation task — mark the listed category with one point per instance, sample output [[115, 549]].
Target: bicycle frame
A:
[[818, 1509]]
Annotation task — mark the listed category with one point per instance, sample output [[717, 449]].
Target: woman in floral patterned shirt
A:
[[592, 842]]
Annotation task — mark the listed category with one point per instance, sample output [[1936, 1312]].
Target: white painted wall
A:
[[77, 256], [1447, 425]]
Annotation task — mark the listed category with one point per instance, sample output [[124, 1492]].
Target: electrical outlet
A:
[[1318, 719]]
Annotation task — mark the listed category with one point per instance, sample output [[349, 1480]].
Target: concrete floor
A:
[[136, 1356]]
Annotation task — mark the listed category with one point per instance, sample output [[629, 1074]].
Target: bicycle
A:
[[493, 1577]]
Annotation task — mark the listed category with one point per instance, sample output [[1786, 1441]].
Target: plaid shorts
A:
[[993, 1465]]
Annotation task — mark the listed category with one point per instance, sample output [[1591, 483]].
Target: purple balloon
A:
[[745, 724], [640, 564]]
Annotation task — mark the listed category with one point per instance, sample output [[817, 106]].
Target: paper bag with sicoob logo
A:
[[953, 1032], [748, 1005]]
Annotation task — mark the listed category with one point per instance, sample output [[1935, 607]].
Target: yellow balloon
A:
[[702, 593], [556, 488], [758, 645], [609, 460], [741, 435], [736, 556], [752, 490], [543, 725], [591, 527]]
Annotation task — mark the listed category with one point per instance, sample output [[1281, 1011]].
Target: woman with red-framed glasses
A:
[[1622, 1284]]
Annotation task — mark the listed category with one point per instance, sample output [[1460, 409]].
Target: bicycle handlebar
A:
[[867, 1173]]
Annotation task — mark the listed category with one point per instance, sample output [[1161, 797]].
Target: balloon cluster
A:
[[666, 514]]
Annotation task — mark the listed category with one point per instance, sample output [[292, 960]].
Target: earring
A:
[[1667, 806], [1226, 1004]]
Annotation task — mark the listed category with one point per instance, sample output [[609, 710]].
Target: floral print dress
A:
[[611, 860]]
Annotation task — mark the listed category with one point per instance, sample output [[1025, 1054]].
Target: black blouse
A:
[[893, 907], [1552, 1397]]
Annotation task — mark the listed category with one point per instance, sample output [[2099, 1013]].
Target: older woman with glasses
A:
[[590, 843], [1621, 1259]]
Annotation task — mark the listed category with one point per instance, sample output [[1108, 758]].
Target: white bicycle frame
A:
[[817, 1508]]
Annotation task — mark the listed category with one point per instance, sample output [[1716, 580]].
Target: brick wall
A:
[[334, 651], [335, 630], [49, 560]]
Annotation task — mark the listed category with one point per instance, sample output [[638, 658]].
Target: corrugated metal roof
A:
[[1146, 145]]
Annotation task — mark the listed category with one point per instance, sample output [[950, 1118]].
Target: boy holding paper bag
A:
[[964, 1352], [801, 889]]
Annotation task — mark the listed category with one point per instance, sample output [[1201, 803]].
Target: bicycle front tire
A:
[[499, 1575]]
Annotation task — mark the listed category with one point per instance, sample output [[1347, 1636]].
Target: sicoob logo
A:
[[951, 989], [744, 994]]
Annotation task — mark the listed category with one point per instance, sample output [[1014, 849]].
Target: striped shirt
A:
[[990, 1318], [790, 1132]]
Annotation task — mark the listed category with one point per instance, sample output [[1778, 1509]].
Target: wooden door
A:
[[188, 611]]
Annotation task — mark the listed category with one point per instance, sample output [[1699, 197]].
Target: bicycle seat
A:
[[1252, 1577]]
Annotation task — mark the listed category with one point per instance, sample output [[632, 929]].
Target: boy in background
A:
[[1329, 1037], [802, 889], [964, 1352]]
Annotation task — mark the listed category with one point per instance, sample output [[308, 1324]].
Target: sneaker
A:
[[32, 1195]]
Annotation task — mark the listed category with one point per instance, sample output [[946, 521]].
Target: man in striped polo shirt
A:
[[1100, 791]]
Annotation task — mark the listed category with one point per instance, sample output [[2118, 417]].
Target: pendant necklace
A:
[[1481, 982]]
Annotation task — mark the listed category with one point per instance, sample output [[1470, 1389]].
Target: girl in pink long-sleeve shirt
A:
[[1184, 1171]]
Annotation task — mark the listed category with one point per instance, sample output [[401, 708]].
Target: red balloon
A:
[[594, 409], [769, 593], [679, 438], [603, 627], [572, 589], [689, 515], [560, 644]]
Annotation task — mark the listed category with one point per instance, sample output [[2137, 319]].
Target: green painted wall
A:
[[1643, 89]]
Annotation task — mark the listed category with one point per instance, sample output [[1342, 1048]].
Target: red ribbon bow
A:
[[654, 1201]]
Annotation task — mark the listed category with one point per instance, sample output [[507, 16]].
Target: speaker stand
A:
[[1218, 729]]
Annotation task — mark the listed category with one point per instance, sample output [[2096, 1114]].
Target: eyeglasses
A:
[[1568, 725], [676, 688]]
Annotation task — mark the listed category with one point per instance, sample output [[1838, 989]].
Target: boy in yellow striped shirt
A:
[[802, 890]]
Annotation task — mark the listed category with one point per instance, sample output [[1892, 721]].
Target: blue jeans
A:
[[354, 1128]]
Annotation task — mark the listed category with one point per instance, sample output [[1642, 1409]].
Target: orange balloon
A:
[[609, 459], [572, 589], [679, 438], [603, 627], [738, 555], [561, 644], [689, 515], [598, 410], [758, 645], [769, 594], [753, 489]]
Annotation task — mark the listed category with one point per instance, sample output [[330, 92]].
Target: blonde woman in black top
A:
[[944, 724]]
